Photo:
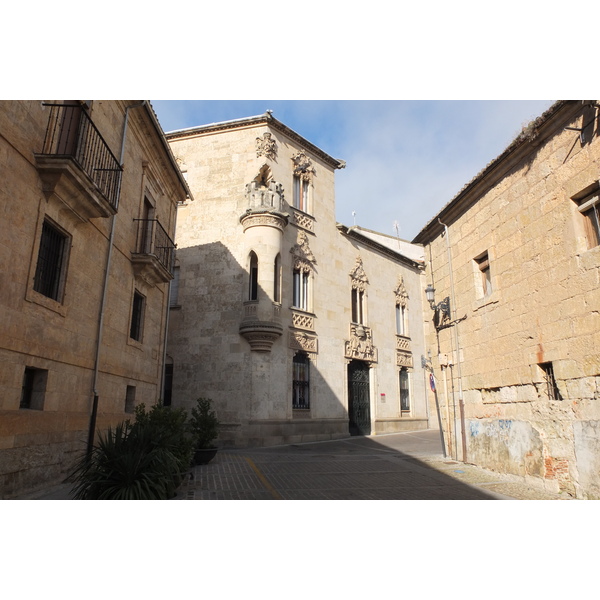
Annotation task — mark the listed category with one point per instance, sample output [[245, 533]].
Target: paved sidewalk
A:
[[404, 466]]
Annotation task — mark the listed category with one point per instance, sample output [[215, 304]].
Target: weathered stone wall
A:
[[38, 445], [543, 308]]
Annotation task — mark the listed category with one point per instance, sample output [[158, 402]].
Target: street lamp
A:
[[442, 310]]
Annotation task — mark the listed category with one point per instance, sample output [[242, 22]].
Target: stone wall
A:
[[58, 337], [542, 309]]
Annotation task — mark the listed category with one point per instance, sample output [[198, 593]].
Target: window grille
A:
[[51, 259], [301, 381], [137, 314], [550, 380], [404, 391]]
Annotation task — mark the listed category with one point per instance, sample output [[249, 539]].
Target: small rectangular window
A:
[[137, 317], [483, 262], [589, 207], [33, 390], [550, 381], [50, 269]]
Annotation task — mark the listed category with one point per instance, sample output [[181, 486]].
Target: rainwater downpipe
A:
[[94, 414], [167, 318], [461, 403]]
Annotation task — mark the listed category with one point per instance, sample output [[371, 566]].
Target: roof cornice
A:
[[264, 119], [351, 232]]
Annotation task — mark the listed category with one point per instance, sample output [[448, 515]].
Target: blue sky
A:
[[405, 159]]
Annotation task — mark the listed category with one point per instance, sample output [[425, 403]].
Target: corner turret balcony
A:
[[76, 164], [155, 252], [261, 333]]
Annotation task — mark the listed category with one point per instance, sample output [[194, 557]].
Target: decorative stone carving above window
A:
[[404, 359], [303, 341], [401, 293], [360, 345], [266, 146], [358, 276], [303, 257], [303, 167]]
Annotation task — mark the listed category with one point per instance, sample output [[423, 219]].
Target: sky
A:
[[405, 159]]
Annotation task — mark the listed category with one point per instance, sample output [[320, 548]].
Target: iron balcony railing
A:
[[72, 134], [152, 239]]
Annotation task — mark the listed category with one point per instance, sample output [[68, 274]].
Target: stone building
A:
[[514, 260], [88, 199], [298, 328]]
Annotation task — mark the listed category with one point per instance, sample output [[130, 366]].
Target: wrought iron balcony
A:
[[154, 255], [77, 165]]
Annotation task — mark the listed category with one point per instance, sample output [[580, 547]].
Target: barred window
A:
[[301, 381], [137, 317], [404, 391], [550, 380], [50, 269]]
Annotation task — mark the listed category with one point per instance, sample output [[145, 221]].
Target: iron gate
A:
[[358, 398]]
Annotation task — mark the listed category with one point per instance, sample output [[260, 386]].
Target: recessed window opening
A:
[[401, 314], [483, 262], [33, 389], [358, 299], [301, 381], [589, 207], [550, 381], [300, 289], [301, 186], [50, 269], [404, 390], [137, 316], [253, 285], [277, 279]]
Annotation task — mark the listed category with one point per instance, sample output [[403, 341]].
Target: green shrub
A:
[[146, 460], [203, 424]]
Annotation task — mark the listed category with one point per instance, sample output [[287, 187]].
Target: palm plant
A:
[[145, 460]]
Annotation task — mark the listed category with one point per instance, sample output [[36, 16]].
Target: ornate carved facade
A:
[[360, 345], [266, 146]]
